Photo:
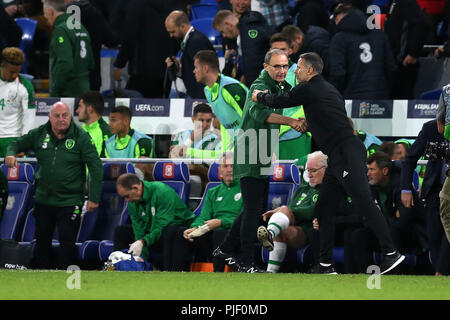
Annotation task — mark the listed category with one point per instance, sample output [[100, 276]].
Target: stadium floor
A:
[[155, 285]]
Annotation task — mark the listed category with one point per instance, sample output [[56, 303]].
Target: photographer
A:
[[443, 120]]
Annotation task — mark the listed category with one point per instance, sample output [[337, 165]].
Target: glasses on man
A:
[[279, 67], [314, 170]]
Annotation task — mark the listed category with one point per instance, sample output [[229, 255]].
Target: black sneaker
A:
[[320, 269], [265, 238], [251, 268], [229, 259], [390, 262]]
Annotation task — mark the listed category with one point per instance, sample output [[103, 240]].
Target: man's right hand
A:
[[186, 234], [299, 124], [11, 161], [407, 199]]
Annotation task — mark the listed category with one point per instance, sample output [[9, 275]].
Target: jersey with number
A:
[[71, 58], [17, 107]]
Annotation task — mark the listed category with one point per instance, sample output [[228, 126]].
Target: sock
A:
[[278, 222], [276, 256]]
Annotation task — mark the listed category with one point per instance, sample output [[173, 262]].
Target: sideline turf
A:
[[214, 286]]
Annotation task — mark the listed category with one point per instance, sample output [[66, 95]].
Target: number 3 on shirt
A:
[[366, 56], [83, 50]]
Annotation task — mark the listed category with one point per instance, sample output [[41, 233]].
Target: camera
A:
[[437, 150]]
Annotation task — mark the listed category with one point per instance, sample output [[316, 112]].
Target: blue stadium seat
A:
[[214, 181], [204, 25], [284, 180], [175, 175], [21, 187], [443, 29], [203, 10], [431, 94], [28, 27]]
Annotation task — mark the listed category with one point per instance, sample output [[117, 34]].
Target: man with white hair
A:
[[291, 226], [63, 150]]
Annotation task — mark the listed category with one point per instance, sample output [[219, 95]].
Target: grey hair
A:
[[228, 155], [313, 60], [273, 52], [57, 5], [323, 158]]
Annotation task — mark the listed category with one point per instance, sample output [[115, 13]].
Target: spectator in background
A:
[[361, 62], [10, 32], [291, 226], [191, 41], [63, 151], [128, 143], [311, 12], [314, 39], [254, 34], [388, 147], [90, 111], [276, 12], [220, 207], [156, 213], [407, 28], [17, 103], [401, 148], [429, 195], [71, 58], [371, 142], [145, 45], [100, 32]]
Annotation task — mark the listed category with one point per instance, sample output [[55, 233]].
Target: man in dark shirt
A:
[[346, 173]]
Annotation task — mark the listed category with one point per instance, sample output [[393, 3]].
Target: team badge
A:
[[253, 33], [70, 143]]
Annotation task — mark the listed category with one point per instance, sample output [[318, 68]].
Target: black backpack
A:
[[14, 255]]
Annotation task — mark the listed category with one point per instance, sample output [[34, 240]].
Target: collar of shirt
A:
[[186, 37]]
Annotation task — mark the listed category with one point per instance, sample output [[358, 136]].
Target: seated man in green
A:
[[291, 226], [156, 213], [128, 143]]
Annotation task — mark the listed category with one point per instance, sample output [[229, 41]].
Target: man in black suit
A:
[[178, 26], [432, 184]]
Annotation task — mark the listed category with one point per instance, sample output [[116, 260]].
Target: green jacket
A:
[[71, 59], [222, 202], [158, 207], [100, 133], [303, 204], [253, 148], [61, 177]]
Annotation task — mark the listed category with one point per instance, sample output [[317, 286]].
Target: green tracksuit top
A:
[[158, 207], [303, 204], [253, 147], [100, 133], [61, 177], [71, 59], [222, 202]]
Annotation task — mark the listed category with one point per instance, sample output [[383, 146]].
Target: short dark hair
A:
[[313, 60], [208, 57], [203, 108], [124, 111], [388, 147], [128, 180], [291, 32], [381, 159], [280, 37], [95, 100]]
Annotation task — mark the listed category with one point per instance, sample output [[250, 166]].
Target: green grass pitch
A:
[[155, 285]]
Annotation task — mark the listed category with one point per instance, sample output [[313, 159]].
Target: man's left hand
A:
[[255, 94], [91, 206]]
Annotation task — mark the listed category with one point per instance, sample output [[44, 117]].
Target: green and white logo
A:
[[70, 143], [253, 33]]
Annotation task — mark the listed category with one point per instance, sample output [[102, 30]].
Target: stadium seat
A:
[[214, 181], [175, 175], [28, 27], [21, 187], [203, 10], [204, 25], [431, 94], [443, 30], [284, 180]]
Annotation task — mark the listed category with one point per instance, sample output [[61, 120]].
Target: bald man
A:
[[191, 41], [63, 151]]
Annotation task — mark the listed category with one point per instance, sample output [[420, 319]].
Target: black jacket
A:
[[10, 32], [324, 110], [197, 41], [311, 12], [255, 34], [362, 65], [431, 183], [101, 33], [406, 27]]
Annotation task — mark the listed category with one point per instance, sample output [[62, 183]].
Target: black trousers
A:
[[242, 235], [437, 241], [124, 236], [149, 87], [346, 175], [68, 223]]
